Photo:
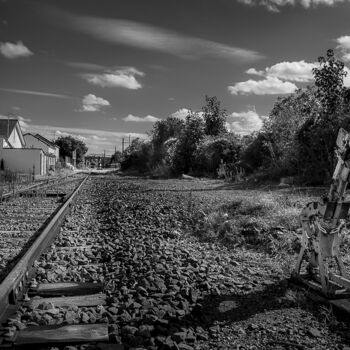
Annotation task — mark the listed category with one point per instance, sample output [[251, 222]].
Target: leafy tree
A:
[[162, 131], [212, 150], [329, 80], [280, 129], [188, 142], [255, 153], [317, 136], [68, 144], [214, 116]]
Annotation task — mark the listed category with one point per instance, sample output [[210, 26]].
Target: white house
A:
[[13, 152], [51, 150]]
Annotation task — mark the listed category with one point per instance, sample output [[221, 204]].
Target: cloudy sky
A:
[[106, 69]]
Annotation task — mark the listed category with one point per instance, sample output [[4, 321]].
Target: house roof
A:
[[6, 129], [7, 126], [43, 139]]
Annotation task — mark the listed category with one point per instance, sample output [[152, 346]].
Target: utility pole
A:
[[129, 140], [123, 145]]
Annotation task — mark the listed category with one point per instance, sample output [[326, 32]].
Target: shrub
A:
[[137, 156]]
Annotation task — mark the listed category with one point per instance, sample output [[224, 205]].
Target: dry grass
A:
[[265, 220]]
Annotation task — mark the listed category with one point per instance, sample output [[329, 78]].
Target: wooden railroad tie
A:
[[66, 289], [75, 294], [69, 334]]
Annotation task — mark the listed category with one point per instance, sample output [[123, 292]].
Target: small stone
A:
[[129, 330], [52, 312], [314, 332], [145, 330], [113, 310], [84, 317]]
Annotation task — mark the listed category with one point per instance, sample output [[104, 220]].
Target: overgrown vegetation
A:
[[297, 139]]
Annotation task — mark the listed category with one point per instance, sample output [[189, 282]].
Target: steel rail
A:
[[40, 185], [15, 282]]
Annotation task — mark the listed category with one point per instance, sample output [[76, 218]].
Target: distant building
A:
[[13, 152], [51, 150]]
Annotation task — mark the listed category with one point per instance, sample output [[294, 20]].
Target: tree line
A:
[[297, 138]]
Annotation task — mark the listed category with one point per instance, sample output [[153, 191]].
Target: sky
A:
[[104, 70]]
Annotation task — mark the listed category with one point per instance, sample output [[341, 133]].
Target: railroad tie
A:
[[66, 289], [67, 334], [66, 294]]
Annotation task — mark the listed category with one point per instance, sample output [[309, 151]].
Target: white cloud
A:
[[344, 47], [24, 122], [268, 86], [92, 103], [124, 77], [37, 93], [134, 118], [144, 36], [274, 5], [244, 123], [98, 138], [299, 71], [344, 42], [11, 51], [182, 113]]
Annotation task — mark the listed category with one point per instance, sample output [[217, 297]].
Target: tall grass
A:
[[260, 220]]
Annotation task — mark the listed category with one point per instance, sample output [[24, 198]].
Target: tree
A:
[[212, 150], [316, 138], [189, 140], [162, 131], [288, 115], [68, 144], [214, 116], [255, 153], [137, 156], [329, 80]]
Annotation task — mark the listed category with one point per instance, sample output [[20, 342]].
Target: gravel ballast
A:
[[165, 288]]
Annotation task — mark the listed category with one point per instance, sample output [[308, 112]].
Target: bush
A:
[[212, 150], [137, 156]]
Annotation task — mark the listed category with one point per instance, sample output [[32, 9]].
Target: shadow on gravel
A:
[[231, 308], [237, 307]]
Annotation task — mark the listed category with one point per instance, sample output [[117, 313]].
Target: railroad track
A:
[[29, 222], [34, 274], [40, 186], [23, 214]]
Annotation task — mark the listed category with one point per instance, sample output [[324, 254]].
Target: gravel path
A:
[[167, 290]]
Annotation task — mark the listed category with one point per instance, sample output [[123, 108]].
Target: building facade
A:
[[14, 153], [50, 149]]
